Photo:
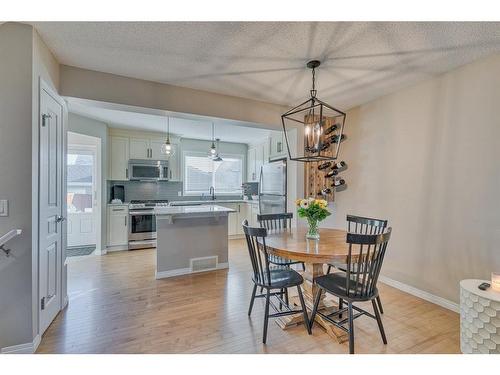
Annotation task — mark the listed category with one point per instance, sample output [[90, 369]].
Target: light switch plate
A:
[[4, 207]]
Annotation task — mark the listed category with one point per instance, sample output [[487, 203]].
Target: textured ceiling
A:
[[265, 61]]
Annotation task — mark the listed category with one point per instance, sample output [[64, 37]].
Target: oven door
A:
[[142, 226]]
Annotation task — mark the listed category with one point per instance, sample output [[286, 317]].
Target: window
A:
[[80, 171], [200, 173]]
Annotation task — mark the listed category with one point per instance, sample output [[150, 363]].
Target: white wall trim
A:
[[185, 271], [440, 301], [28, 348]]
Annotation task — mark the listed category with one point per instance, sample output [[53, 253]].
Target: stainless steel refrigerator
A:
[[272, 187]]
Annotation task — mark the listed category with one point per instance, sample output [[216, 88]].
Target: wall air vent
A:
[[204, 264]]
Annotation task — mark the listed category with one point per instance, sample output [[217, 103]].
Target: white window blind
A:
[[200, 173]]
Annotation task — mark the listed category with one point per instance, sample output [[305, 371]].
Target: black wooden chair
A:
[[275, 223], [362, 225], [271, 279], [357, 284]]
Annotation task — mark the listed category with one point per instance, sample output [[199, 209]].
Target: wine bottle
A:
[[325, 191], [339, 165], [324, 165], [335, 138], [338, 183], [332, 173], [331, 129], [325, 146]]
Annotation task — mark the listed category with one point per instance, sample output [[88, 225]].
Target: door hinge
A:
[[44, 117], [42, 303]]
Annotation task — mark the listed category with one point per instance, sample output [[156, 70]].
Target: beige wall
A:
[[428, 159], [88, 84], [15, 181], [24, 58]]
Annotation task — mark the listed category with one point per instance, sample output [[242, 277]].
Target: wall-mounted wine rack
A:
[[315, 181]]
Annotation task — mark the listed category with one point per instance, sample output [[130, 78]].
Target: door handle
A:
[[60, 218]]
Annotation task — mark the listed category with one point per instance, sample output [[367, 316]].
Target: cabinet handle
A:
[[118, 209], [126, 172], [170, 174], [125, 221]]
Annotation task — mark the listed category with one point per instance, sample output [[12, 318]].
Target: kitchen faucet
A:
[[211, 191]]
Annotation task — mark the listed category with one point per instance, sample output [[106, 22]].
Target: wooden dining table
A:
[[330, 248]]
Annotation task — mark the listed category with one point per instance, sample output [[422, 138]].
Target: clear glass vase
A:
[[313, 231]]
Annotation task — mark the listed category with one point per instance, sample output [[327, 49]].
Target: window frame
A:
[[186, 153]]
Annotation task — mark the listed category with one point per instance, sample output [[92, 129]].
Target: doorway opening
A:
[[83, 196]]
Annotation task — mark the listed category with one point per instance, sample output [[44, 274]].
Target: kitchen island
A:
[[191, 239]]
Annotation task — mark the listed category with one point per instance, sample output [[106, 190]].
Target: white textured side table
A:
[[479, 318]]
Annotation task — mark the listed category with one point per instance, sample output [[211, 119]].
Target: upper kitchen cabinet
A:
[[146, 148], [118, 156], [139, 148], [174, 164], [257, 156], [251, 166], [278, 146], [125, 145]]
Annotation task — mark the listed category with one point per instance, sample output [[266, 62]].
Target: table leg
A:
[[326, 306]]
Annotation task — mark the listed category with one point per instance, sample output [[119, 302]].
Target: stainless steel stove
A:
[[142, 228]]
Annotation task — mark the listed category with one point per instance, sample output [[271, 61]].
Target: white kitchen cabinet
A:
[[266, 146], [174, 165], [232, 220], [278, 146], [147, 148], [119, 155], [118, 226], [253, 212], [140, 148], [259, 160], [251, 165], [236, 218]]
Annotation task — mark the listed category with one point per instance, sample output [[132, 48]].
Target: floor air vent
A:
[[204, 264]]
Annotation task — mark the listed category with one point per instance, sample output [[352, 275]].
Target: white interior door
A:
[[81, 196], [50, 206]]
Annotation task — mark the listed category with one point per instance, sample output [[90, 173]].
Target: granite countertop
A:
[[205, 210]]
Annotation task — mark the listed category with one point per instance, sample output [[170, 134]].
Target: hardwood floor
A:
[[116, 306]]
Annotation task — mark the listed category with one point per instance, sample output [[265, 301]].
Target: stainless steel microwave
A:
[[148, 170]]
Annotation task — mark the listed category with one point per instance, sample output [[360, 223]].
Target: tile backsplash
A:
[[141, 190]]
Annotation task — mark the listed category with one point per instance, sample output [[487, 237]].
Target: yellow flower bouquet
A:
[[314, 210]]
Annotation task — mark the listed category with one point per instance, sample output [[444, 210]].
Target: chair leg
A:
[[328, 269], [341, 306], [351, 329], [282, 291], [304, 310], [379, 322], [303, 267], [315, 308], [252, 299], [379, 303], [286, 298], [266, 316]]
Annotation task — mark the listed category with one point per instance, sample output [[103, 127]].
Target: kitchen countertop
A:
[[193, 211], [211, 202]]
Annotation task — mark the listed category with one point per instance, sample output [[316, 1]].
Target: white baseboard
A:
[[186, 271], [447, 304], [28, 348]]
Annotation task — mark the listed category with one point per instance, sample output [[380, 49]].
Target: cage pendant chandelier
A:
[[323, 126]]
